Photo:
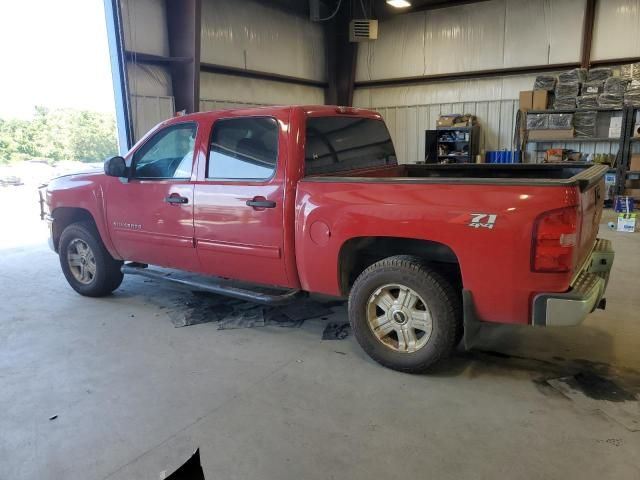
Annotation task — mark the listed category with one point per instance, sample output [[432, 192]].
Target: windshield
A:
[[339, 144]]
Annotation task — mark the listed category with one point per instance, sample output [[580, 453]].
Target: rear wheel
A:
[[404, 315], [86, 263]]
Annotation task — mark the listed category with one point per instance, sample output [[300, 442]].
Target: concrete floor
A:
[[135, 396]]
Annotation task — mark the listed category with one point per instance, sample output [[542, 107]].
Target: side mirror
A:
[[115, 167]]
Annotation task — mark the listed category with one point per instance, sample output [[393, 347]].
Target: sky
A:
[[54, 53]]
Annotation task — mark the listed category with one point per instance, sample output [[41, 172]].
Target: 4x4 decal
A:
[[483, 220]]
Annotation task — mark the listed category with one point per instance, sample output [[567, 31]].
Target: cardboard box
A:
[[447, 120], [540, 99], [554, 155], [632, 192], [627, 222], [526, 100], [634, 163], [632, 185], [551, 134]]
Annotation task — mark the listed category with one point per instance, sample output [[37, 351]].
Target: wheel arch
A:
[[65, 216], [358, 253]]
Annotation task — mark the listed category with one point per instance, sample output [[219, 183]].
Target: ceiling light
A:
[[399, 3]]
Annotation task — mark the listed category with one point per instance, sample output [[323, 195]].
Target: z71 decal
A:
[[483, 220]]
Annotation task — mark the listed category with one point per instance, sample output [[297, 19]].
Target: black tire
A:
[[441, 299], [107, 275]]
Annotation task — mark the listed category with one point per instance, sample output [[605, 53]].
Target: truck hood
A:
[[74, 180]]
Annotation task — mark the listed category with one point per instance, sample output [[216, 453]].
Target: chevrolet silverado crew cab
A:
[[268, 204]]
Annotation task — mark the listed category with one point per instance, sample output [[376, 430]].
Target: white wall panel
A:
[[255, 92], [149, 80], [485, 35], [147, 112], [410, 110], [145, 26], [398, 52], [465, 38], [564, 19], [444, 92], [257, 37], [542, 32], [616, 29]]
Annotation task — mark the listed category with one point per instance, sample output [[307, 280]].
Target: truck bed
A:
[[582, 175]]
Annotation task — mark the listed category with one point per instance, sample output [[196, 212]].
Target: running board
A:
[[216, 285]]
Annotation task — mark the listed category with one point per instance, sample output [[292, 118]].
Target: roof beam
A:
[[476, 74], [241, 72]]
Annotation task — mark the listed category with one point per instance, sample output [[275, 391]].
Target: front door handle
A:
[[261, 202], [174, 198]]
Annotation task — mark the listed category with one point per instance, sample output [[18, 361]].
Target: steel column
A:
[[183, 25], [587, 33]]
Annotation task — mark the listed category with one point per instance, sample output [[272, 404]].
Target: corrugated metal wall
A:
[[407, 124], [492, 34], [254, 36], [497, 119], [485, 35]]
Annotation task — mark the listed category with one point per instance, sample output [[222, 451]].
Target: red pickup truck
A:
[[269, 203]]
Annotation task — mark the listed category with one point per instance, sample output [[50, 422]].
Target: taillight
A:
[[555, 240]]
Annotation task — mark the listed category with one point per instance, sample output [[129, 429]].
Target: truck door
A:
[[238, 212], [151, 216]]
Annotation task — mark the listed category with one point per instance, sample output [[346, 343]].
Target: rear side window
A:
[[243, 148], [339, 144]]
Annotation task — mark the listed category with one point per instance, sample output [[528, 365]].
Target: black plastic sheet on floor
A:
[[336, 331], [203, 307]]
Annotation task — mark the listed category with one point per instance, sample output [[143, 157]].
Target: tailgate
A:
[[591, 203]]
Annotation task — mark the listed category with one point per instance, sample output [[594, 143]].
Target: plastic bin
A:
[[503, 156]]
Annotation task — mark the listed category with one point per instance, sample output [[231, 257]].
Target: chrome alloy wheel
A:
[[399, 318], [82, 262]]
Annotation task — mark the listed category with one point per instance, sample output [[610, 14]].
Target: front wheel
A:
[[404, 315], [86, 263]]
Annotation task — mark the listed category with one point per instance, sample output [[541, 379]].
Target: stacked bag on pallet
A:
[[584, 123], [589, 94], [568, 88], [560, 121], [545, 82]]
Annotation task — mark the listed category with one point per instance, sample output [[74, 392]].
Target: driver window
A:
[[169, 154]]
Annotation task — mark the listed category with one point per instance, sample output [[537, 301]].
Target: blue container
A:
[[624, 204], [503, 156]]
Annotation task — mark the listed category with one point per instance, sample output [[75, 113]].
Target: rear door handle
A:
[[261, 202], [174, 198]]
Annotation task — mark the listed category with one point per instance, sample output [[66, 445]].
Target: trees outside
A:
[[60, 134]]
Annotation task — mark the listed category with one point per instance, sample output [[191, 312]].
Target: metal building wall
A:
[[250, 36], [617, 29], [150, 90], [260, 38], [486, 35]]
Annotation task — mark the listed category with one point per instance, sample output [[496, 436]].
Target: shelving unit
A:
[[462, 142], [624, 142]]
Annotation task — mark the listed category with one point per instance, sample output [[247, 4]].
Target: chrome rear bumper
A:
[[585, 295]]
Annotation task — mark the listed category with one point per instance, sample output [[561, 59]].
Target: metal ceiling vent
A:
[[363, 30]]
